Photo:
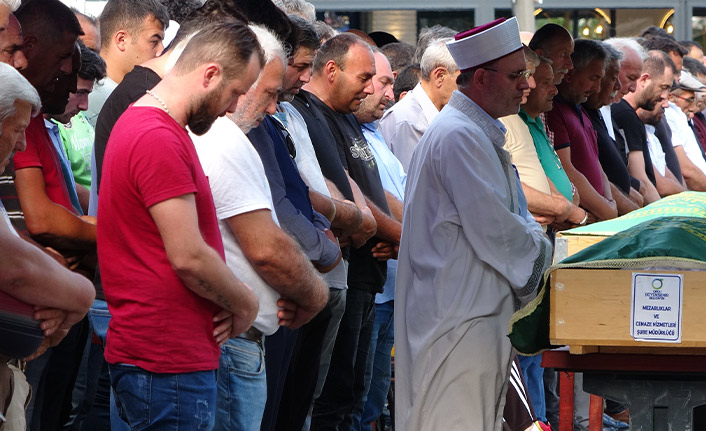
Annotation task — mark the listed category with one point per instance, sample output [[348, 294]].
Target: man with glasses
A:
[[462, 271], [682, 105]]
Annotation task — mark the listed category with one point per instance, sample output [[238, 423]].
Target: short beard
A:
[[201, 119]]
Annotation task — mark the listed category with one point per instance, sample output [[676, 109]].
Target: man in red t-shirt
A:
[[171, 295]]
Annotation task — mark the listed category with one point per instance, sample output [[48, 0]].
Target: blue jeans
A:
[[242, 386], [164, 402], [533, 373], [379, 366]]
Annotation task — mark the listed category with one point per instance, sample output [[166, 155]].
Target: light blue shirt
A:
[[68, 175], [394, 179]]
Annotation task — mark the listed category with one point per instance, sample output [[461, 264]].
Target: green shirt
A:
[[547, 156], [78, 137]]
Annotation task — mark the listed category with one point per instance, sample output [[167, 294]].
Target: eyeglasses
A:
[[514, 76], [689, 100]]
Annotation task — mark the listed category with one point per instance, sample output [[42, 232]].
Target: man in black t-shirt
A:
[[652, 88], [343, 72]]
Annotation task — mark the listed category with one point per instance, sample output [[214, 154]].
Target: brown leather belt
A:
[[252, 334]]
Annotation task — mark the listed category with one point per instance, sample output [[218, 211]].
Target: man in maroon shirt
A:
[[574, 136]]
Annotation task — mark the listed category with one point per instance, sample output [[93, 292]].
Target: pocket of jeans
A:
[[133, 394], [244, 358]]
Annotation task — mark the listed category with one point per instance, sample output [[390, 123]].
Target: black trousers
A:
[[345, 382]]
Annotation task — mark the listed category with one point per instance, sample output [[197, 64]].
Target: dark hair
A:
[[688, 44], [656, 62], [336, 49], [586, 51], [230, 44], [545, 35], [694, 66], [265, 13], [654, 31], [128, 15], [400, 54], [213, 11], [48, 19], [407, 79], [92, 65], [664, 44], [308, 37], [179, 9]]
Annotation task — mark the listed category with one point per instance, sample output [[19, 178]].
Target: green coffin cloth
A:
[[665, 243], [685, 204]]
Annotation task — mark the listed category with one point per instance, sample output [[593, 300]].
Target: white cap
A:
[[687, 81], [485, 43]]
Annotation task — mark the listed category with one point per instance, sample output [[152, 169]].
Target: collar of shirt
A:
[[527, 119], [491, 126], [428, 108]]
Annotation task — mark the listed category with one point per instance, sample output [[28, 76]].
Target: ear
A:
[[394, 74], [121, 40], [642, 80], [330, 70], [480, 77], [29, 44], [438, 75], [540, 52], [211, 75]]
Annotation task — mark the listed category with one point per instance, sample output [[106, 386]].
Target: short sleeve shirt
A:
[[239, 185], [572, 128], [630, 126], [41, 153], [547, 156], [366, 272], [520, 145], [157, 324]]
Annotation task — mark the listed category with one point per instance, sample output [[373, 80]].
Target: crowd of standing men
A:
[[208, 231]]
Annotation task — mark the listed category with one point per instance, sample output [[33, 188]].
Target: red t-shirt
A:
[[572, 128], [158, 324], [40, 153]]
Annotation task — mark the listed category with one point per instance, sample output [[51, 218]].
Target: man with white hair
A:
[[404, 124], [265, 257], [461, 272], [59, 296], [11, 36]]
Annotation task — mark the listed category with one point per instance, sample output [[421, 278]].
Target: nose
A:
[[531, 82], [523, 83], [554, 91], [617, 85], [389, 94], [66, 66], [271, 108], [21, 143], [369, 89], [569, 63], [231, 108], [664, 103], [19, 61], [305, 77]]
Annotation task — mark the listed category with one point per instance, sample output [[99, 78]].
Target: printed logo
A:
[[657, 283]]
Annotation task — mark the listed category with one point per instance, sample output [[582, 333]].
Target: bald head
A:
[[554, 42]]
